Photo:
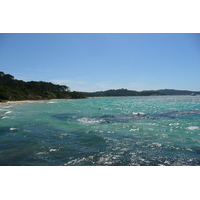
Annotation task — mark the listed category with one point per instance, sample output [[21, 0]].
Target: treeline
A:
[[125, 92], [120, 92], [13, 89], [177, 92]]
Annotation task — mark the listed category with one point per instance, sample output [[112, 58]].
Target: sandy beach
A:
[[24, 101]]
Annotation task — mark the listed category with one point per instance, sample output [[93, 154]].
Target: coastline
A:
[[23, 101]]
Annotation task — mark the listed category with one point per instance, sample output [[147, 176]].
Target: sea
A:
[[102, 131]]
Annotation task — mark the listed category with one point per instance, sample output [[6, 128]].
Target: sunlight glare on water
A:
[[144, 131]]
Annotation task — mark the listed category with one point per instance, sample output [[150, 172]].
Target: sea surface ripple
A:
[[102, 131]]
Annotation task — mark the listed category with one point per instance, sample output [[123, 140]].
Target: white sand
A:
[[25, 101]]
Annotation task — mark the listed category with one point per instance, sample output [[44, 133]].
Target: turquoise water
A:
[[144, 131]]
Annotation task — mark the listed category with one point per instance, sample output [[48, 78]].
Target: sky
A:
[[101, 61]]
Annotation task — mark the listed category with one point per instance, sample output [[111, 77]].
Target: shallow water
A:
[[145, 131]]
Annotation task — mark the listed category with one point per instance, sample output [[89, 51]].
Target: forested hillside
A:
[[120, 92], [13, 89], [125, 92], [177, 92]]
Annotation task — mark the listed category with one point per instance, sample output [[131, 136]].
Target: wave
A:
[[94, 119], [107, 118], [115, 119], [8, 112], [14, 129], [192, 128], [86, 120], [4, 117], [138, 113], [167, 114]]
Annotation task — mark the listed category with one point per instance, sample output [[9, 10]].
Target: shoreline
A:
[[29, 101], [6, 103], [24, 101]]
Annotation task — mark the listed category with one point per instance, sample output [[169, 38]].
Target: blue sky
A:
[[94, 62]]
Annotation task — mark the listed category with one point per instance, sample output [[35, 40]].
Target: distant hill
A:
[[120, 92], [177, 92], [125, 92], [13, 89]]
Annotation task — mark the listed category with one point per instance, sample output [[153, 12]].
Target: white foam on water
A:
[[174, 124], [40, 153], [8, 112], [13, 129], [105, 159], [167, 162], [111, 131], [189, 149], [192, 127], [141, 159], [4, 117], [138, 113], [53, 150], [86, 120], [8, 106], [75, 161], [134, 129], [64, 134], [157, 144], [51, 102]]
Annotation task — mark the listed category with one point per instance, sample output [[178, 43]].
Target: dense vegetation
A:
[[125, 92], [13, 89], [120, 92], [177, 92]]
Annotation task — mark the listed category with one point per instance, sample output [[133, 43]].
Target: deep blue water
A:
[[144, 131]]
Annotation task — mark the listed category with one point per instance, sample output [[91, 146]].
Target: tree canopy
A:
[[13, 89], [120, 92]]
